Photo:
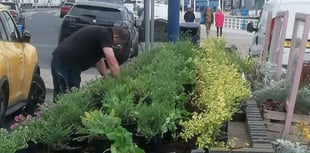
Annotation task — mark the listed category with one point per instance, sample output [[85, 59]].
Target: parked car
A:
[[102, 13], [21, 86], [16, 12], [65, 8]]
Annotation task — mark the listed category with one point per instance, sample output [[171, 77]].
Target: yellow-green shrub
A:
[[219, 90]]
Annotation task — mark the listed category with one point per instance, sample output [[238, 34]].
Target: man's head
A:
[[189, 9], [120, 35]]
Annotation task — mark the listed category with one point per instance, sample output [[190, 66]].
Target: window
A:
[[96, 12], [9, 6], [9, 26], [2, 32]]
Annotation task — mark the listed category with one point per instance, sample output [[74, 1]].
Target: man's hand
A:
[[102, 68], [112, 62]]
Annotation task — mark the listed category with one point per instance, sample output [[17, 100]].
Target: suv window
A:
[[9, 6], [2, 32], [68, 4], [9, 26], [96, 12]]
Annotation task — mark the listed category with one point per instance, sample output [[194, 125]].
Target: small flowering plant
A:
[[303, 127], [46, 127], [28, 121], [10, 141], [19, 120]]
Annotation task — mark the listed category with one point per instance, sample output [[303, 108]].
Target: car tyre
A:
[[36, 96], [3, 102]]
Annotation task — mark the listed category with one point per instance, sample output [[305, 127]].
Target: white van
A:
[[292, 6]]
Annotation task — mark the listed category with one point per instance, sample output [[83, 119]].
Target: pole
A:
[[173, 20], [182, 10], [194, 6], [147, 23], [152, 24]]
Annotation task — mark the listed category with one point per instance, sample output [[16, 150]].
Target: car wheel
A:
[[36, 95], [135, 50], [2, 107]]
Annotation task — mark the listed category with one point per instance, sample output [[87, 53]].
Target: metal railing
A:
[[238, 23]]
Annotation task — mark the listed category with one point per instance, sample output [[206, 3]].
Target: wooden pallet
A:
[[275, 121]]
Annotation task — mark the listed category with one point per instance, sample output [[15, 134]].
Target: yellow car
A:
[[21, 86]]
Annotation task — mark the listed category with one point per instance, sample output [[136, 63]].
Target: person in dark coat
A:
[[189, 16], [89, 46]]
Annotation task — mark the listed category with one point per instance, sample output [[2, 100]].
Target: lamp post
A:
[[173, 20]]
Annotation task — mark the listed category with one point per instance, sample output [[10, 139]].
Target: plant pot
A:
[[131, 127], [101, 145], [152, 146], [96, 98], [32, 148], [71, 150], [147, 100], [239, 117], [188, 88], [168, 136], [224, 127], [222, 137], [78, 143]]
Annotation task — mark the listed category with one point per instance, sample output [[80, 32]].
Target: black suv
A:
[[101, 13]]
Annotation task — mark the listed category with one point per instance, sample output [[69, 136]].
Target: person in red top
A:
[[219, 22]]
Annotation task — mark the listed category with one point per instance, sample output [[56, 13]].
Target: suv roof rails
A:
[[109, 1]]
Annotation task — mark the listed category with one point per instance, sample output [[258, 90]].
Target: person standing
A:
[[219, 22], [189, 16], [88, 46], [208, 19]]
